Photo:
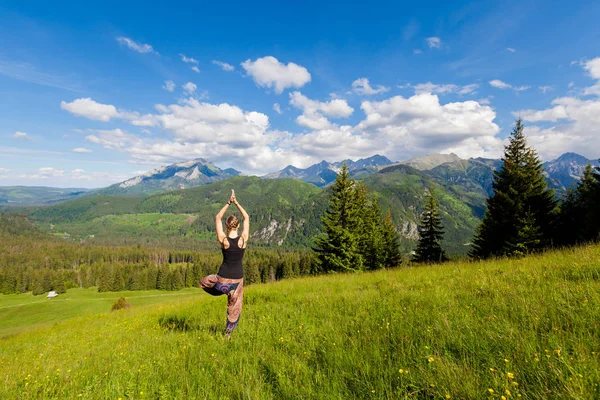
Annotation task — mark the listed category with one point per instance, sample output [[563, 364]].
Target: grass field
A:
[[524, 329], [22, 312]]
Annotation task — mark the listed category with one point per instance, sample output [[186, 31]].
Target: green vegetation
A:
[[579, 219], [37, 195], [33, 262], [23, 312], [520, 216], [464, 330], [431, 233], [354, 234]]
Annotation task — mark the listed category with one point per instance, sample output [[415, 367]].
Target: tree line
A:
[[30, 262], [523, 215], [355, 235]]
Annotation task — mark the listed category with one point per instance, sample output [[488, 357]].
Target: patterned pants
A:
[[234, 289]]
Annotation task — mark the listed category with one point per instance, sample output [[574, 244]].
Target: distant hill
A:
[[430, 161], [37, 195], [284, 212], [324, 173], [183, 175]]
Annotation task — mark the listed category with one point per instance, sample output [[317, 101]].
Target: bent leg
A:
[[234, 307], [208, 284]]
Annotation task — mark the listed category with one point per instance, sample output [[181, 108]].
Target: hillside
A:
[[283, 211], [437, 332], [37, 195]]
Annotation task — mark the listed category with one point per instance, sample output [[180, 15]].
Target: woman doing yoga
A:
[[230, 278]]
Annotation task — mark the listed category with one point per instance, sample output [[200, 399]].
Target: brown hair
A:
[[232, 223]]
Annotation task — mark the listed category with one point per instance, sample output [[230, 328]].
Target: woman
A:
[[230, 278]]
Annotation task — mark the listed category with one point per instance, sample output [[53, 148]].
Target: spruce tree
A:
[[431, 233], [578, 220], [521, 215], [391, 242], [371, 234], [337, 247]]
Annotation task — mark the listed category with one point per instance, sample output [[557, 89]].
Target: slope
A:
[[444, 331]]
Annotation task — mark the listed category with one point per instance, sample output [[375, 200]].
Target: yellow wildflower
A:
[[510, 375], [448, 396], [491, 391], [431, 359]]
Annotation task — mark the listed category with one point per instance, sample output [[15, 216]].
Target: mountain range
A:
[[285, 209], [477, 172]]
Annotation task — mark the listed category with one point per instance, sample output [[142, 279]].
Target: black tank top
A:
[[232, 260]]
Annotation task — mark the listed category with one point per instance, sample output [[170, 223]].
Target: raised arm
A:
[[246, 231], [219, 222]]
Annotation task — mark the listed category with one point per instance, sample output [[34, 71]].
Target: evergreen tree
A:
[[578, 220], [391, 242], [371, 240], [431, 232], [337, 247], [520, 216]]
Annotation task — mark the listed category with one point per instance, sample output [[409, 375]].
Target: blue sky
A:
[[92, 95]]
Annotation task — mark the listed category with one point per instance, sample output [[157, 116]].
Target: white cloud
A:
[[227, 135], [190, 88], [444, 89], [499, 84], [188, 60], [169, 86], [593, 67], [336, 108], [545, 89], [314, 112], [277, 108], [115, 139], [136, 46], [503, 85], [18, 135], [195, 69], [86, 107], [521, 88], [510, 49], [269, 72], [4, 170], [50, 171], [576, 122], [362, 86], [81, 150], [552, 114], [571, 84], [434, 42], [417, 51], [224, 66]]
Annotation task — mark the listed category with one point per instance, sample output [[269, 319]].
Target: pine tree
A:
[[568, 218], [371, 241], [391, 242], [521, 205], [578, 220], [337, 247], [431, 233]]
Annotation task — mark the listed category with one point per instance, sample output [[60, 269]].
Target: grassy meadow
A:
[[527, 329]]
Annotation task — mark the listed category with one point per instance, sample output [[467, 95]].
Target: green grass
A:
[[528, 326], [22, 312]]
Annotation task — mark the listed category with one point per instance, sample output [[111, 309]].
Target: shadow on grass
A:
[[181, 323]]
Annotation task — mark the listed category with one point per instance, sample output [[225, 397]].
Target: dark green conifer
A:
[[521, 205], [337, 247], [391, 242], [431, 233]]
